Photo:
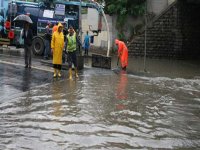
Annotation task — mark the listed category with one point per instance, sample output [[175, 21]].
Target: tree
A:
[[123, 8]]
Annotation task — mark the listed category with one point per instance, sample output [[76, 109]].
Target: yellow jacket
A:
[[57, 44]]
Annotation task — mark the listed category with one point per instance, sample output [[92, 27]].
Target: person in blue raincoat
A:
[[86, 43]]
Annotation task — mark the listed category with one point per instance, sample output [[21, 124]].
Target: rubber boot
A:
[[76, 72], [59, 74], [70, 73], [55, 73]]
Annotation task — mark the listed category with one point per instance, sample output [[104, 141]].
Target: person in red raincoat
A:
[[122, 53]]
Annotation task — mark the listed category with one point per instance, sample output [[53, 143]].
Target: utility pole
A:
[[80, 24], [107, 26], [80, 18], [145, 37]]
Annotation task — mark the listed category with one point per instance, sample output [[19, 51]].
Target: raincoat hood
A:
[[116, 41], [60, 25]]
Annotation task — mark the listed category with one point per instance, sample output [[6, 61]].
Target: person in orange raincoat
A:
[[122, 53], [57, 45]]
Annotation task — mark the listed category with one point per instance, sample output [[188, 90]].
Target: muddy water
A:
[[105, 110]]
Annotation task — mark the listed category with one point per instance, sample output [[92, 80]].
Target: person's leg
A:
[[59, 70], [49, 49], [85, 51], [55, 70], [124, 61], [46, 49], [26, 56], [29, 57], [124, 68], [74, 60], [70, 65], [123, 64]]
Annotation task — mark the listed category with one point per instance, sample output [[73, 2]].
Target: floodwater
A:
[[104, 109]]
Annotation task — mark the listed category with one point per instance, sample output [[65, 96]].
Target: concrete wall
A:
[[175, 34], [101, 39], [189, 24], [171, 1], [157, 6]]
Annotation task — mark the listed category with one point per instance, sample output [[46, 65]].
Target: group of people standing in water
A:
[[67, 43]]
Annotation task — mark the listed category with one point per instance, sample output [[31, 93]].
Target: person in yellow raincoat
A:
[[57, 45]]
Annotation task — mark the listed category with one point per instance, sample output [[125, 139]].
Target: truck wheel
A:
[[38, 46]]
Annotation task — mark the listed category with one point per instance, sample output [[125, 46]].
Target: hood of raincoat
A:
[[60, 25], [116, 41]]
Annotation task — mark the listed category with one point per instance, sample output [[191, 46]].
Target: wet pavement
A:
[[15, 79], [102, 109]]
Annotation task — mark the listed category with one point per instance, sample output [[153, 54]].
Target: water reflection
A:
[[71, 90], [26, 84], [122, 86], [56, 98], [64, 97], [121, 93], [104, 110], [26, 79]]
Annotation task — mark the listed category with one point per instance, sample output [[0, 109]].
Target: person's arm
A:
[[84, 41], [63, 42], [120, 48], [66, 42], [89, 40], [47, 30], [23, 33], [52, 42], [78, 41]]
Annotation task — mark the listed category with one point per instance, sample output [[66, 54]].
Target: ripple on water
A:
[[102, 110]]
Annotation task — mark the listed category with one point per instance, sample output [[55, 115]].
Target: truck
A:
[[41, 12]]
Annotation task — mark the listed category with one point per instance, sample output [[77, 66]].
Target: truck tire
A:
[[38, 46]]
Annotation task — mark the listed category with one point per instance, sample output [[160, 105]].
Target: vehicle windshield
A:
[[69, 11], [46, 0]]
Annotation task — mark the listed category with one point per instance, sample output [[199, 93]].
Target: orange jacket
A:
[[122, 53]]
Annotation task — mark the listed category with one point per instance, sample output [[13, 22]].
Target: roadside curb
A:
[[49, 63], [65, 65], [11, 51]]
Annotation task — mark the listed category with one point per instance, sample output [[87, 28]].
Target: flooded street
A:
[[104, 109]]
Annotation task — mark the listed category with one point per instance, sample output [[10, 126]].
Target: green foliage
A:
[[121, 19], [121, 36], [123, 8]]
